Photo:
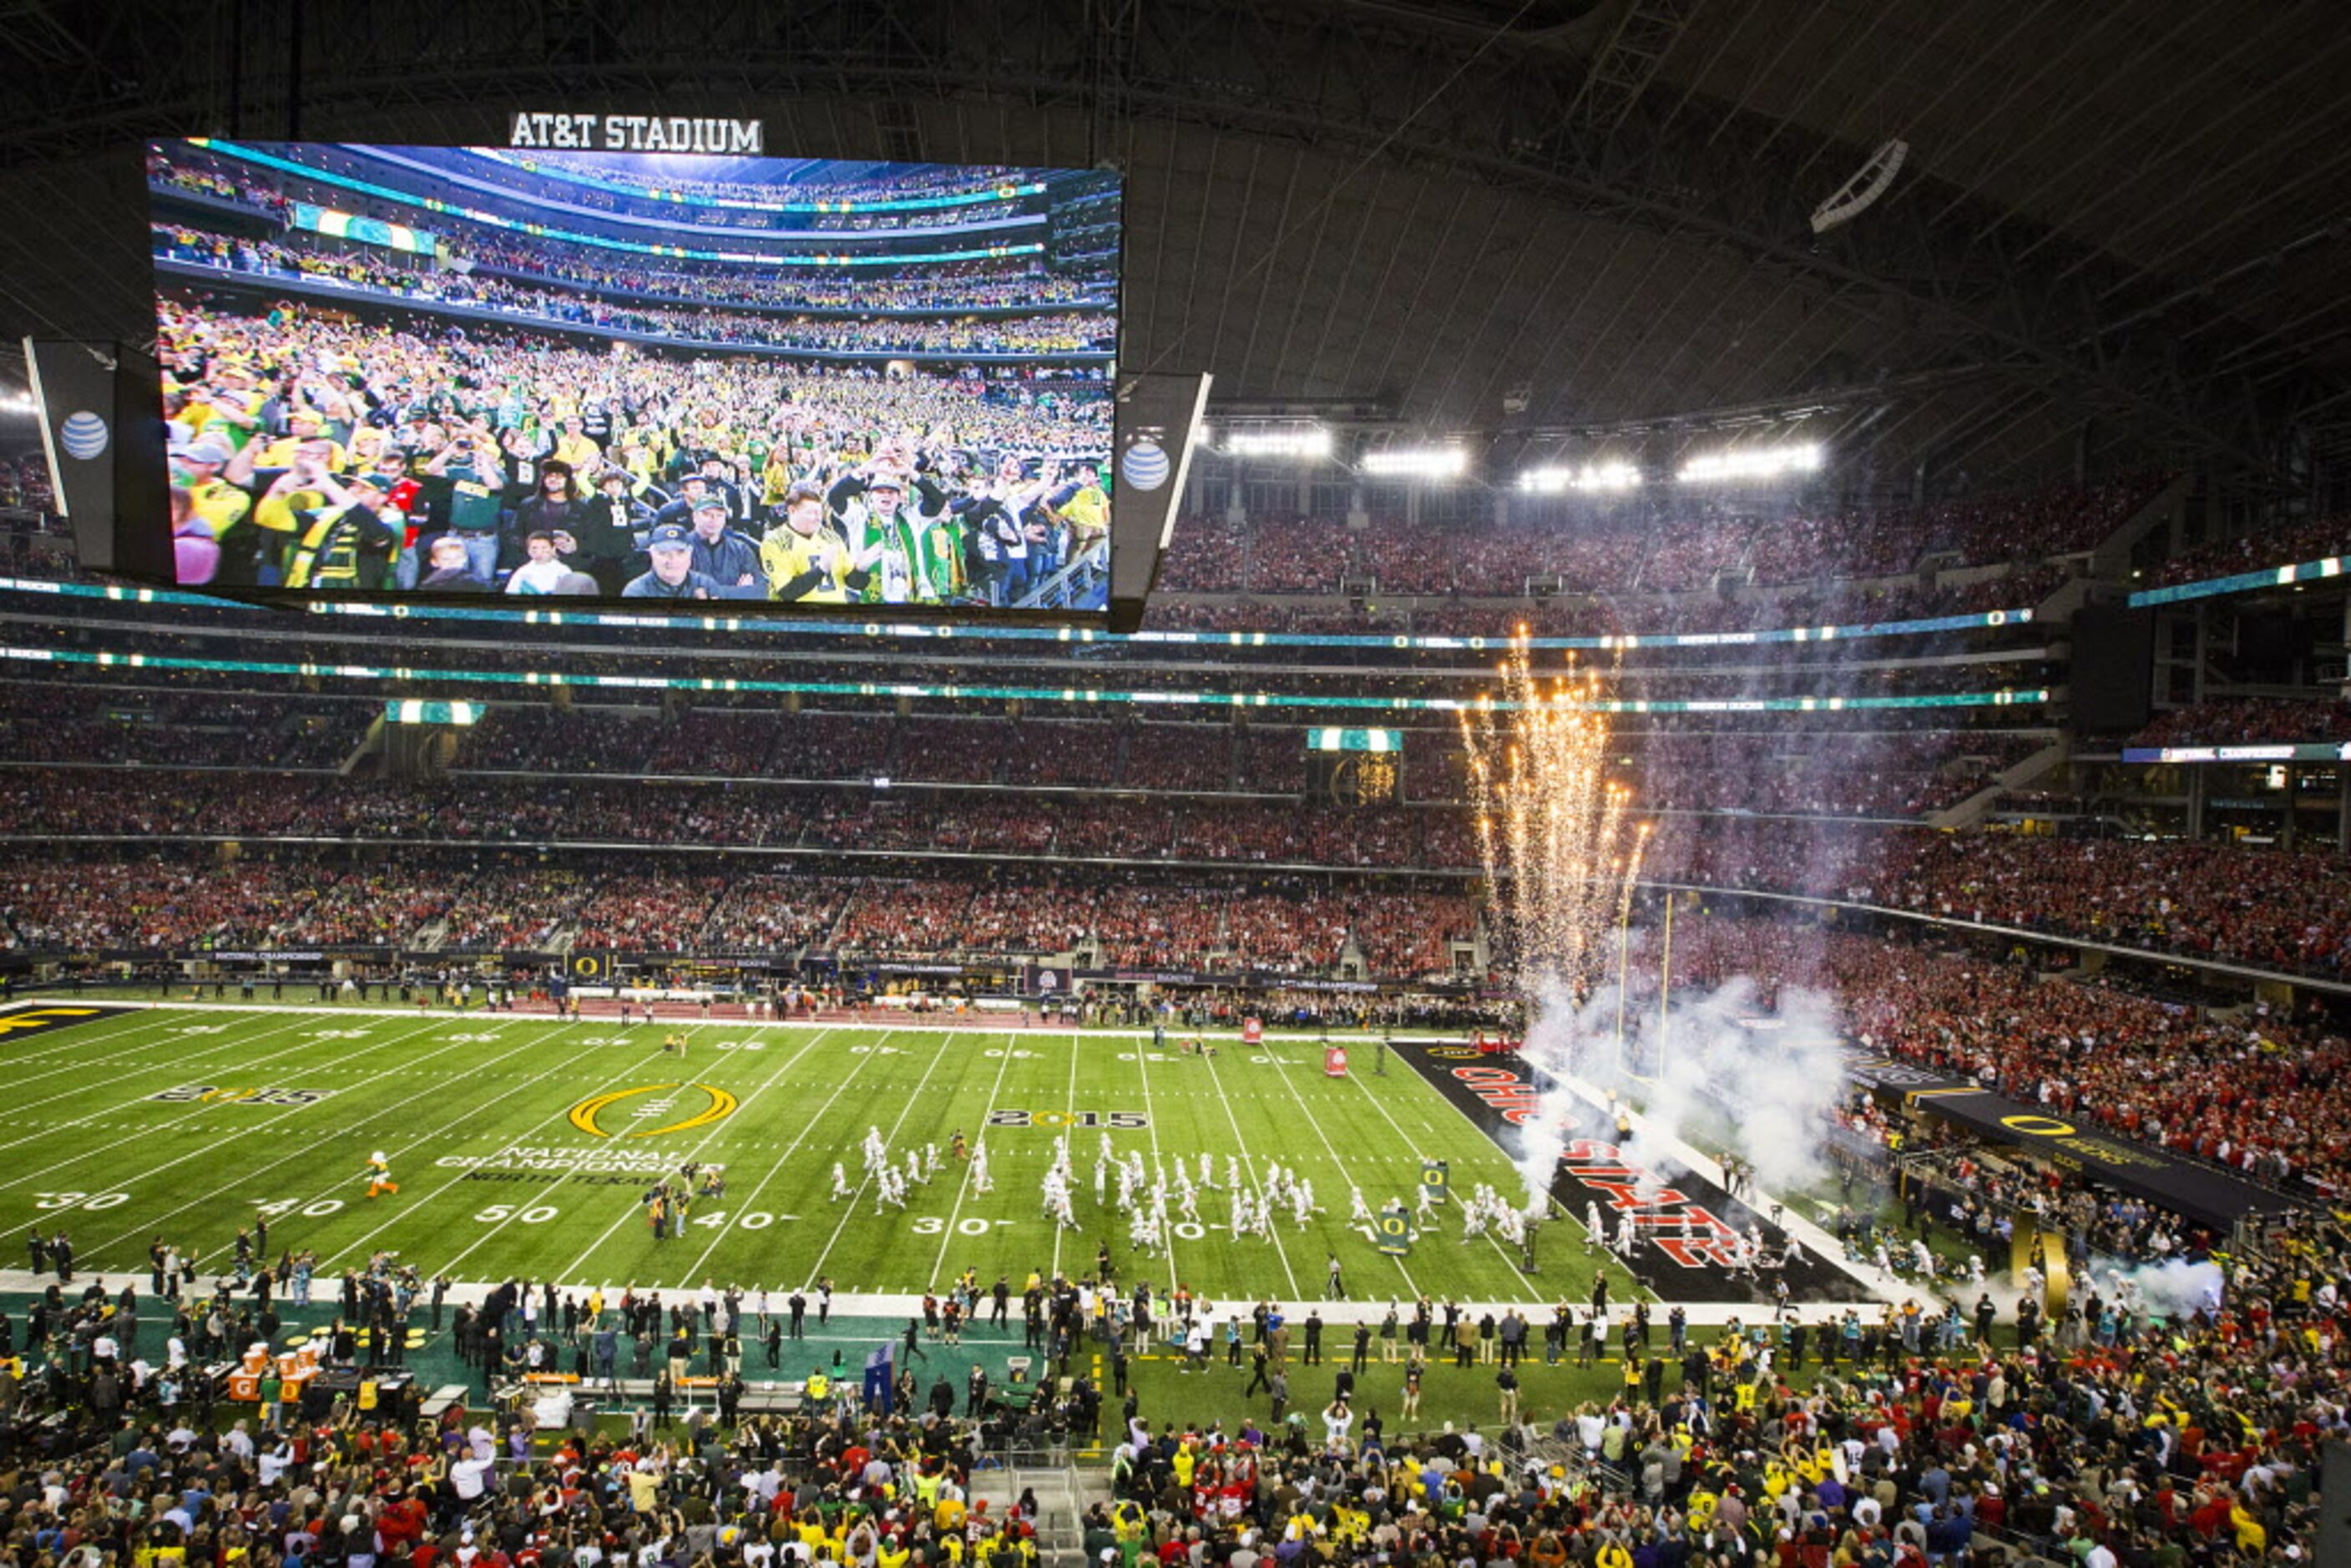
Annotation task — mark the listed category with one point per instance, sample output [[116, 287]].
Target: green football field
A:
[[522, 1147]]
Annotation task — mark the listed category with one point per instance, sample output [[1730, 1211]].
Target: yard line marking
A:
[[994, 1093], [399, 1212], [1345, 1174], [1491, 1239], [81, 1069], [1248, 1163], [1491, 1142], [306, 1150], [93, 1120], [815, 1270], [117, 1019], [1167, 1238], [498, 1228], [149, 1131], [721, 1230], [1071, 1101]]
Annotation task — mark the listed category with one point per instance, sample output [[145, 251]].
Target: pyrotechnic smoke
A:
[[1561, 851], [1760, 1093], [2173, 1290]]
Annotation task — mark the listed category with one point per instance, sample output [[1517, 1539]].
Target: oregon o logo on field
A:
[[584, 1115]]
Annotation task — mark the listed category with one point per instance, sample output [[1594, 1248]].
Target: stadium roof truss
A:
[[2119, 230]]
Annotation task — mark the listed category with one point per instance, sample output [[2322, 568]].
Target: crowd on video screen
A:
[[515, 417]]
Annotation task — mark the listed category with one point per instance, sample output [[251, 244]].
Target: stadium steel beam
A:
[[1628, 59], [1359, 83]]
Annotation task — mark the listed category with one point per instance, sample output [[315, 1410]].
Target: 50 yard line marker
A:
[[498, 1227], [549, 1034], [808, 1125], [694, 1156]]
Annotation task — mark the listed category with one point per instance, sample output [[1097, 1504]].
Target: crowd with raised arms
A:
[[316, 450]]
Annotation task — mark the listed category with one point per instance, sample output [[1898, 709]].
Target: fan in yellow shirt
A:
[[805, 562]]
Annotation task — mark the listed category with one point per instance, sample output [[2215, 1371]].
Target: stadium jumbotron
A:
[[1706, 925]]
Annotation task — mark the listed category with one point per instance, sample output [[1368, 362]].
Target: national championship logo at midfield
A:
[[587, 1114]]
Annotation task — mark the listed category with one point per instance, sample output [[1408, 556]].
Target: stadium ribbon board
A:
[[1687, 1223], [2205, 1194]]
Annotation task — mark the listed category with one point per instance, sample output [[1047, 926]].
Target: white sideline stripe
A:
[[1824, 1247], [472, 1293], [1709, 1313]]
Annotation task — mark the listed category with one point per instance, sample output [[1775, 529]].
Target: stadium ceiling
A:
[[2119, 237]]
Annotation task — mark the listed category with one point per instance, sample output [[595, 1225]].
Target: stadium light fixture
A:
[[1310, 442], [1752, 463], [1605, 478], [1417, 462]]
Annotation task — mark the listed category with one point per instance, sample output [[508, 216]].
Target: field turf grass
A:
[[522, 1145]]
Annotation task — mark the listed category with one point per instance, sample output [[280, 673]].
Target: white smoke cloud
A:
[[2172, 1289], [1717, 1084]]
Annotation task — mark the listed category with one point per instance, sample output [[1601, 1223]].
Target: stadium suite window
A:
[[1455, 505], [1270, 498]]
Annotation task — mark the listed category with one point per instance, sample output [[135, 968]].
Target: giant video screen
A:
[[443, 372]]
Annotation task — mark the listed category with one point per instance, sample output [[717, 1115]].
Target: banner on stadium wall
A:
[[1048, 981], [2208, 1196], [366, 230], [2295, 751]]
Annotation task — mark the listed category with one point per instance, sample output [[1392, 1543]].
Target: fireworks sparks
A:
[[1559, 844]]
